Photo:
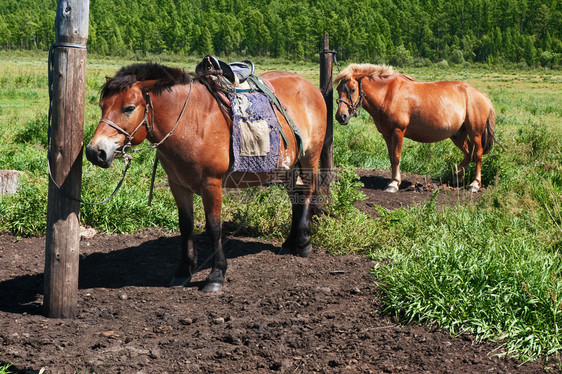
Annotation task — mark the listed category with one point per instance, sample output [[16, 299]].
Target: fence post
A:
[[327, 155], [68, 61]]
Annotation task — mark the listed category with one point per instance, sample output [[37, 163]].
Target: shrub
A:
[[402, 57], [457, 57], [34, 131]]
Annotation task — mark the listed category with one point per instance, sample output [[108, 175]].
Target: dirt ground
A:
[[276, 313]]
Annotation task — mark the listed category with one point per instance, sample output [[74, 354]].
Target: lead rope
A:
[[126, 157], [155, 166]]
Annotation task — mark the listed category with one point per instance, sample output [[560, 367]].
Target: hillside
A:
[[399, 32]]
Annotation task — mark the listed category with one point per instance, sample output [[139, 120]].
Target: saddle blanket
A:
[[255, 134]]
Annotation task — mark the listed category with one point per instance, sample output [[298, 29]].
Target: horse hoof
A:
[[285, 251], [212, 287], [473, 189], [180, 281], [301, 252], [287, 248], [304, 252], [391, 189]]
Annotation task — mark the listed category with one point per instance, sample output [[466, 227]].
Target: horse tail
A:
[[488, 138]]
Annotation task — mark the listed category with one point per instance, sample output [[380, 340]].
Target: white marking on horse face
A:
[[108, 144], [105, 143]]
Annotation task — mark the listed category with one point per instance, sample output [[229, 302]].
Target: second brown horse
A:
[[422, 111]]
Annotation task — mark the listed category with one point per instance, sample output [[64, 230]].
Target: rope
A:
[[334, 55]]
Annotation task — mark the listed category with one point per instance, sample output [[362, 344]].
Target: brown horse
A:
[[422, 111], [179, 115]]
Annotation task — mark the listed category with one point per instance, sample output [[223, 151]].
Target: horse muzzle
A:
[[99, 155], [343, 118]]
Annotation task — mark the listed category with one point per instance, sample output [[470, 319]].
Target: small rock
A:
[[87, 233], [110, 334], [154, 353], [162, 329], [186, 321], [218, 320], [123, 296]]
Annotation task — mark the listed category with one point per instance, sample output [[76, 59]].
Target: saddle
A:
[[236, 72], [239, 77]]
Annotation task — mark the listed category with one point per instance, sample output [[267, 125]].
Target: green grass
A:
[[469, 270], [4, 369], [491, 269]]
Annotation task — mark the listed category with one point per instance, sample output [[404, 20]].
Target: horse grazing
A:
[[422, 111], [190, 126]]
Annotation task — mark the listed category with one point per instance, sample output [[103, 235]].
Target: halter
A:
[[354, 107], [127, 149], [128, 144], [129, 137]]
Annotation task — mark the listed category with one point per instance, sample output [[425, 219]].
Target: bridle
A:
[[129, 137], [354, 107], [127, 148]]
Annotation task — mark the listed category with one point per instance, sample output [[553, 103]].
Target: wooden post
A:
[[327, 155], [67, 133]]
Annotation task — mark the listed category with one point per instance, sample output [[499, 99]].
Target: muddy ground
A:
[[276, 313]]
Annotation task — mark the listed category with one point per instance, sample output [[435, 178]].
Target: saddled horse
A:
[[181, 114], [422, 111]]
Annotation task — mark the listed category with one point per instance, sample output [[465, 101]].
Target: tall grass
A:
[[470, 270], [492, 268]]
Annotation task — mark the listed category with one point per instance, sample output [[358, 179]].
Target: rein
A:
[[354, 107], [127, 156]]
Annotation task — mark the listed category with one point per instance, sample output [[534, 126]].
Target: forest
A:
[[525, 32]]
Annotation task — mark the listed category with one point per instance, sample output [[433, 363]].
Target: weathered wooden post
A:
[[327, 155], [68, 59]]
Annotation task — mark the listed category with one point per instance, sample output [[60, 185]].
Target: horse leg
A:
[[477, 158], [394, 143], [298, 241], [212, 202], [184, 201], [461, 140]]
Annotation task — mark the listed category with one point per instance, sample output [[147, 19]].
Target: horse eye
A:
[[353, 90], [129, 109]]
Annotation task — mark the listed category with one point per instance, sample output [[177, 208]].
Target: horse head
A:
[[124, 122], [350, 99]]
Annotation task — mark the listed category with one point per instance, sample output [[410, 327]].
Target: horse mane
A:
[[164, 76], [358, 71]]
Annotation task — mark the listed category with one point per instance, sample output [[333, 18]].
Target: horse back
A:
[[306, 106]]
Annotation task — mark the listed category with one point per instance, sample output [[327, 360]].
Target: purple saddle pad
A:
[[255, 133]]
